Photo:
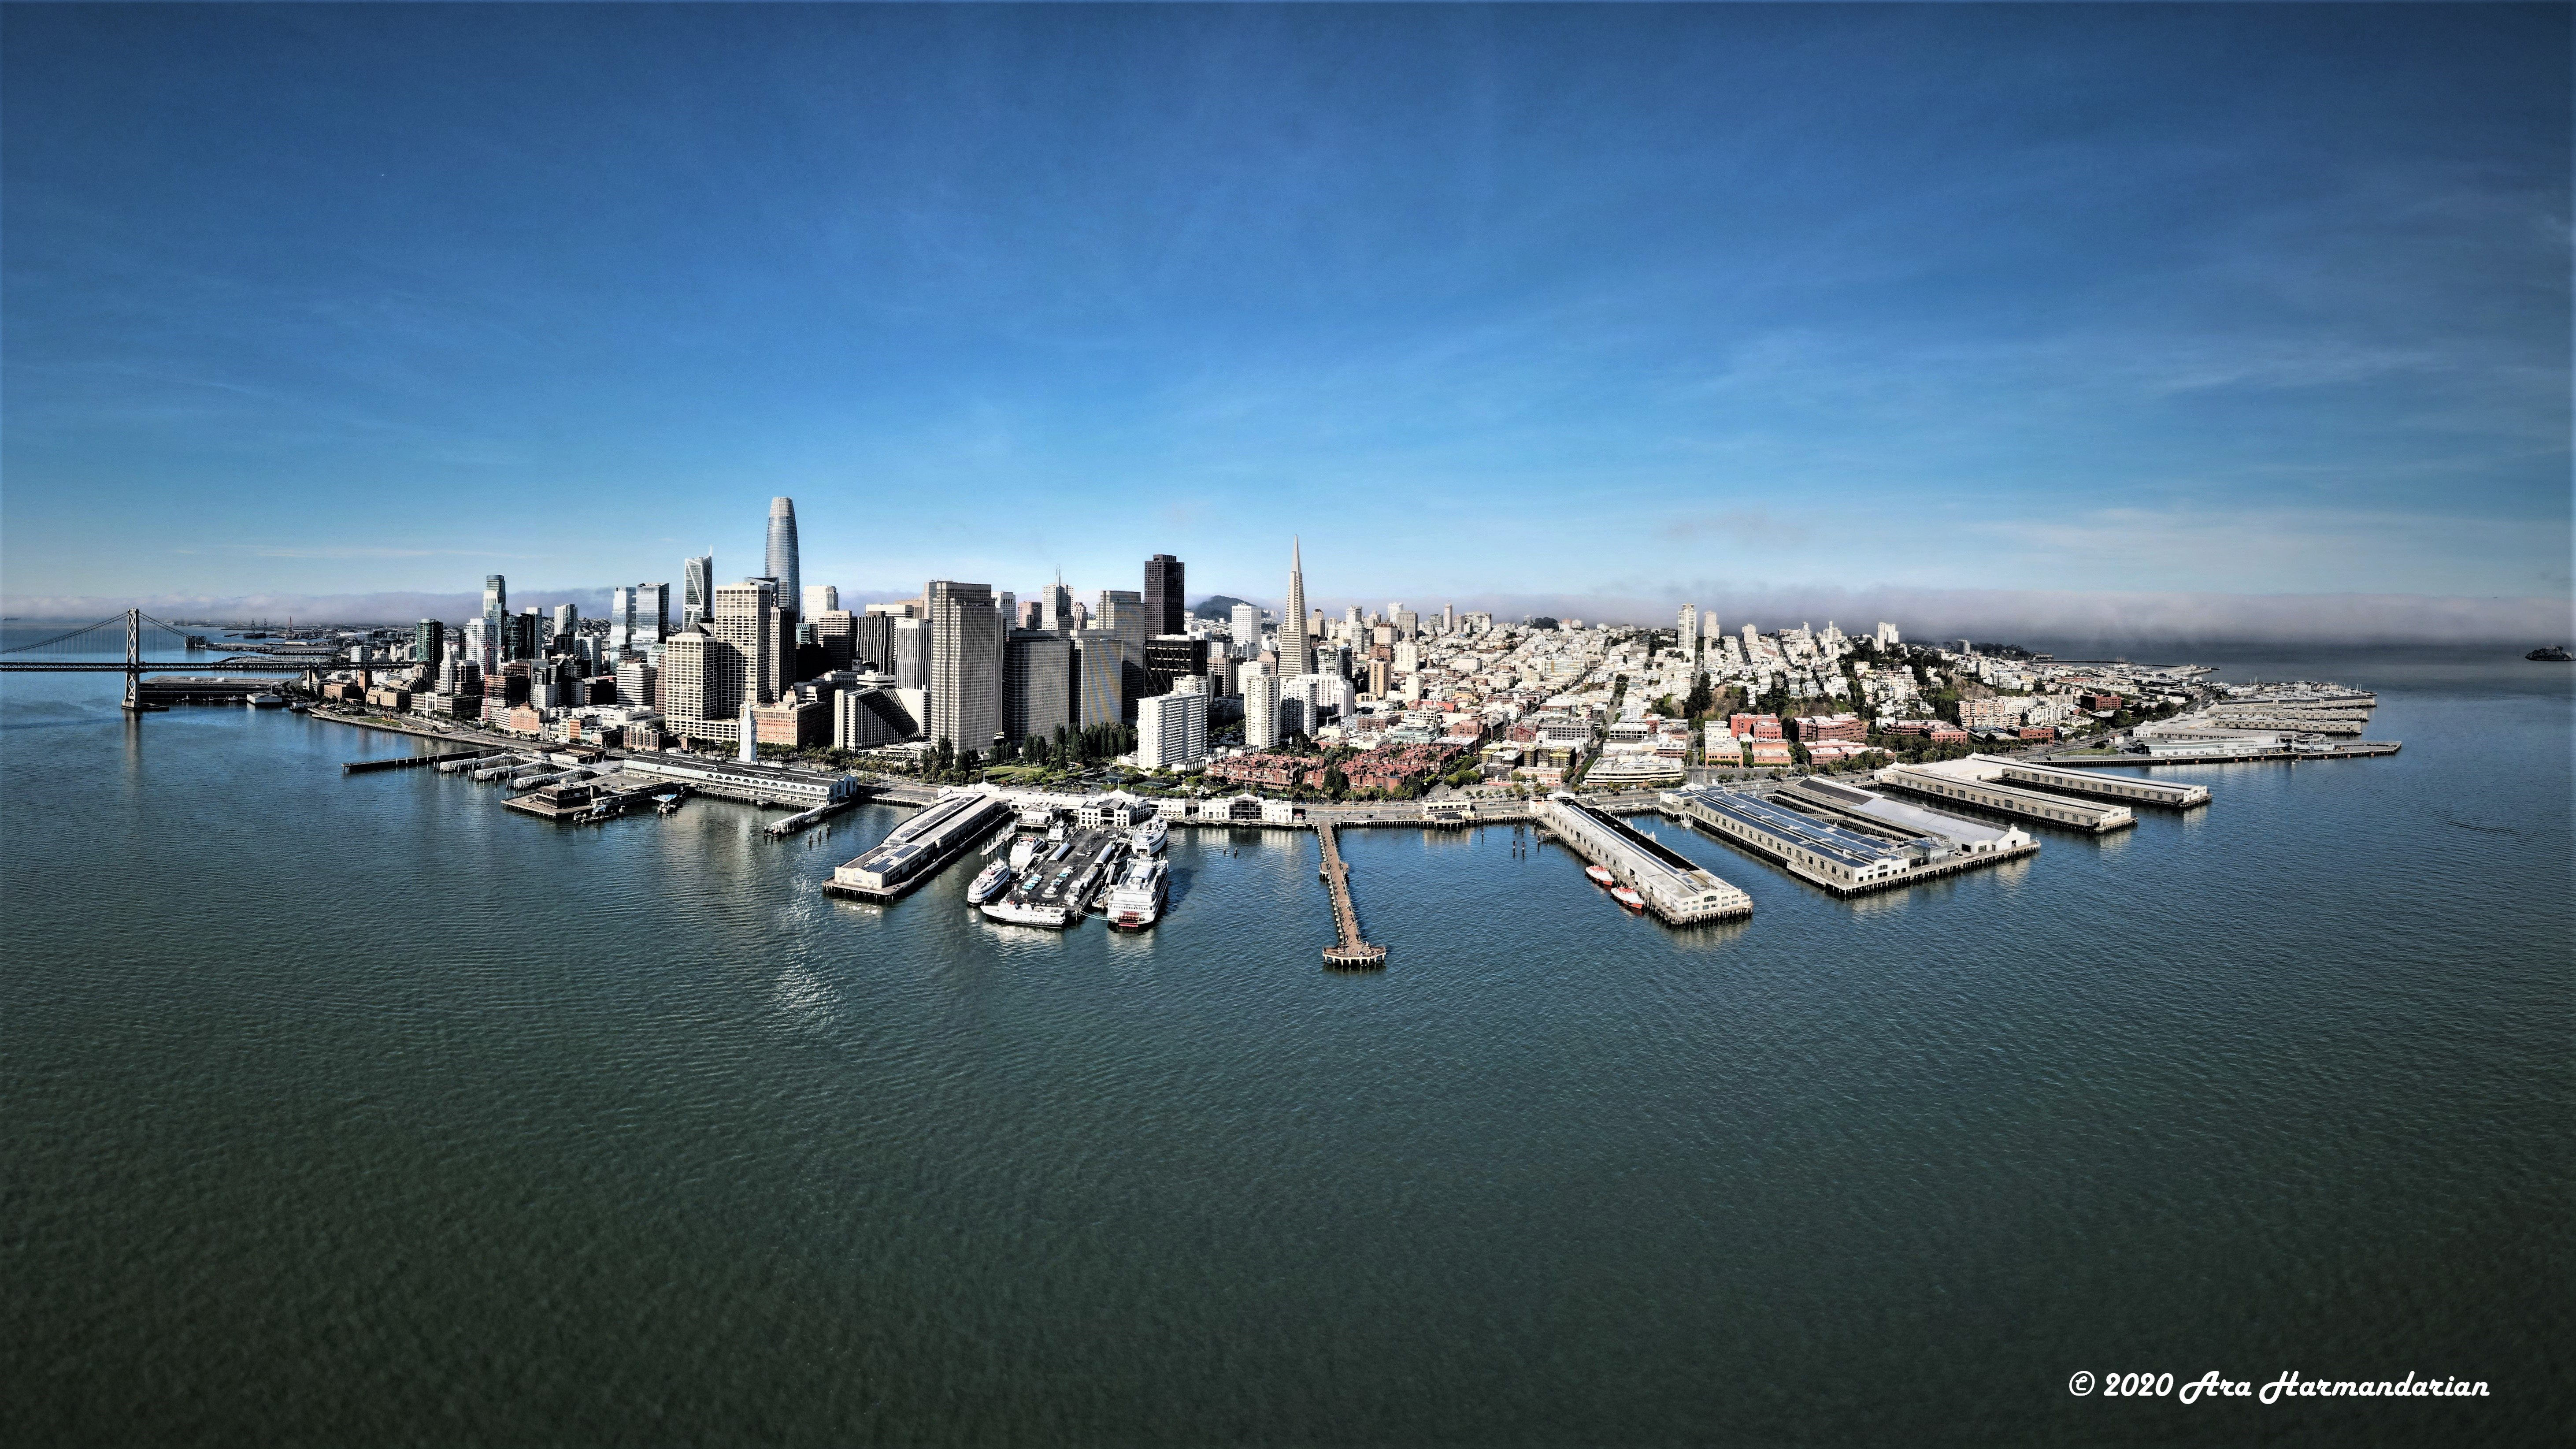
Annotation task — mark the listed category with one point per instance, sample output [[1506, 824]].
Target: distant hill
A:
[[1219, 607]]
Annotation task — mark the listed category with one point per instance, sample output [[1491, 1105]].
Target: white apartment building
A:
[[1171, 731]]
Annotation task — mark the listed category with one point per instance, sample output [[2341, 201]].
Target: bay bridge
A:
[[131, 629]]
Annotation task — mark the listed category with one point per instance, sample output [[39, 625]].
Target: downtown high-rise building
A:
[[697, 588], [836, 632], [1260, 708], [428, 641], [1246, 628], [699, 686], [872, 642], [1037, 684], [636, 682], [1171, 731], [1165, 611], [1099, 678], [1055, 607], [496, 622], [746, 617], [1171, 657], [651, 622], [782, 553], [912, 652], [1295, 657], [639, 616], [816, 601], [1121, 617], [965, 665]]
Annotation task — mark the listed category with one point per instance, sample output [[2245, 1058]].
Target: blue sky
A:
[[1486, 303]]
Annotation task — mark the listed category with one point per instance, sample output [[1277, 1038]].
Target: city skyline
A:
[[2200, 316]]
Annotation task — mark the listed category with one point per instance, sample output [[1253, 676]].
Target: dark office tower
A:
[[1163, 607], [1170, 657], [524, 631], [836, 630], [428, 641], [872, 642]]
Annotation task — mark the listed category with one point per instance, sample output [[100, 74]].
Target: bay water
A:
[[359, 1110]]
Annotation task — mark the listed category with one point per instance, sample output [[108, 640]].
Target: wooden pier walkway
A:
[[1351, 951]]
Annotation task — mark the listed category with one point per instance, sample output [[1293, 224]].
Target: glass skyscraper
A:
[[496, 621], [697, 588], [782, 552]]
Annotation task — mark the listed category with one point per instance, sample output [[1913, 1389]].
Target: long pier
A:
[[809, 819], [1672, 885], [2361, 751], [1352, 951], [1950, 782], [411, 762]]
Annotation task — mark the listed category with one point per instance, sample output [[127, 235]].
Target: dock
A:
[[917, 849], [452, 761], [1847, 859], [1966, 787], [1673, 886], [584, 802], [2221, 754], [807, 820], [1352, 952], [2074, 782]]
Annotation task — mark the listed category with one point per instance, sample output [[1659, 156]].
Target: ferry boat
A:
[[1148, 838], [1600, 877], [1024, 850], [1628, 898], [265, 701], [1137, 900], [989, 883]]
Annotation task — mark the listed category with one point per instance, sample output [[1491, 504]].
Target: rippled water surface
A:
[[359, 1110]]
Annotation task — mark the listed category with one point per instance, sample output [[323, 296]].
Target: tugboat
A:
[[1600, 877], [2556, 655]]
